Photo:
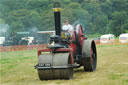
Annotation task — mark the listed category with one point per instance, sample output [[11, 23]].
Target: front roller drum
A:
[[60, 67], [89, 55], [55, 74]]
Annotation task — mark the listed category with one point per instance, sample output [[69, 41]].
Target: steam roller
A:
[[65, 52]]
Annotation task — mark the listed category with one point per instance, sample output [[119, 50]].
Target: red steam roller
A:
[[66, 52]]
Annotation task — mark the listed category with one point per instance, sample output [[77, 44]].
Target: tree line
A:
[[96, 16]]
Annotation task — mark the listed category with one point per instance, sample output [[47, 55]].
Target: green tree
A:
[[16, 27], [74, 5], [67, 14], [96, 16], [107, 8], [101, 23], [119, 22], [47, 20]]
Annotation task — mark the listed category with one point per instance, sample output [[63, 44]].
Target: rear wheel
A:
[[89, 55]]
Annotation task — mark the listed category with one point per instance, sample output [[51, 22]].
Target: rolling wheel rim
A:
[[92, 57]]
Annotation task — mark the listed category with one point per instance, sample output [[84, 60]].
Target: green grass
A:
[[17, 68]]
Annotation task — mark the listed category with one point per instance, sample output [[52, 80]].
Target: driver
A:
[[67, 27]]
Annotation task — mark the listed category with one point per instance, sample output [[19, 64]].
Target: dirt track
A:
[[20, 47]]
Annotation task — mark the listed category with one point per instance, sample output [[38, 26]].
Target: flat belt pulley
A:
[[54, 66]]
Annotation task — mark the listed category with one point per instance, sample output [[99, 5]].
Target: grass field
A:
[[17, 68]]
